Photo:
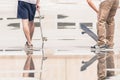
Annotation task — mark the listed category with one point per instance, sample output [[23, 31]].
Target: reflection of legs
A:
[[105, 61], [29, 65], [31, 68], [101, 67], [110, 63]]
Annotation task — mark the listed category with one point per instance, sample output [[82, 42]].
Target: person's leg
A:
[[111, 24], [23, 13], [102, 17], [26, 30], [31, 29], [31, 16]]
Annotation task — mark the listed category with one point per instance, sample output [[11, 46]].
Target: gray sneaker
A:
[[109, 47], [103, 46], [28, 47]]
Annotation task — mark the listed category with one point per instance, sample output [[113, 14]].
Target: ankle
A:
[[28, 43]]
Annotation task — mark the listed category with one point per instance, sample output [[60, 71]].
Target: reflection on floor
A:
[[93, 66]]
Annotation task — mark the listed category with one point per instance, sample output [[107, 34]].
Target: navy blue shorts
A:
[[26, 10]]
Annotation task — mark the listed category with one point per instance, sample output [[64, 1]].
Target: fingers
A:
[[38, 7]]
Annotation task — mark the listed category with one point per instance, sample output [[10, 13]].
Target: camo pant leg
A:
[[105, 61], [101, 67], [110, 63], [111, 23], [104, 18]]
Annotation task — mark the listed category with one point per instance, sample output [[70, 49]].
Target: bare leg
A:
[[26, 30], [31, 29]]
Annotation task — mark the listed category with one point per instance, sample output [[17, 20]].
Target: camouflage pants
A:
[[105, 24], [105, 61]]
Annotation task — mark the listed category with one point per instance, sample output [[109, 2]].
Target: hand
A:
[[38, 7]]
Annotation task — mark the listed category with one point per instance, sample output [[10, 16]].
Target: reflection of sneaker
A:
[[29, 52], [103, 46], [29, 47], [102, 79], [109, 47]]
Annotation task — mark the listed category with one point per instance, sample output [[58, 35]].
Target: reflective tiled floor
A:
[[103, 65]]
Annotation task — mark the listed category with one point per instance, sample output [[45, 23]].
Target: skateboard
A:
[[88, 63], [89, 32], [94, 37]]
